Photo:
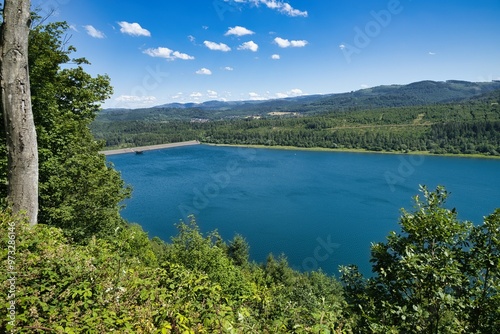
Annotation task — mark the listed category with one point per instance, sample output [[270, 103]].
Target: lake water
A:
[[321, 209]]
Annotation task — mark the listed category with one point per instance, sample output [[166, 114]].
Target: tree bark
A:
[[22, 149]]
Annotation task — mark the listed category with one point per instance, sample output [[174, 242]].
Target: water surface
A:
[[321, 209]]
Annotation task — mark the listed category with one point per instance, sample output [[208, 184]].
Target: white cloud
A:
[[196, 94], [217, 46], [285, 43], [252, 46], [255, 96], [432, 53], [342, 47], [212, 94], [162, 52], [134, 98], [228, 68], [295, 92], [133, 29], [192, 38], [276, 57], [280, 6], [282, 43], [133, 101], [94, 32], [364, 86], [290, 93], [239, 31], [289, 10], [204, 71]]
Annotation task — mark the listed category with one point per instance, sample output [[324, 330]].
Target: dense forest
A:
[[469, 127], [83, 269]]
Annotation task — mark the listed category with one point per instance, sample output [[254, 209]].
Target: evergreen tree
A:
[[238, 250]]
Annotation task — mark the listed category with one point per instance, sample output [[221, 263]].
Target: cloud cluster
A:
[[285, 43], [136, 30], [162, 52], [250, 45], [212, 94], [256, 97], [132, 29], [269, 96], [280, 6], [134, 101], [133, 98]]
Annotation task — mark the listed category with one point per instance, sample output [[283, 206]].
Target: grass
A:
[[359, 150]]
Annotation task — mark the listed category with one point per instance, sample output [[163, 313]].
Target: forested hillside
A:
[[471, 126]]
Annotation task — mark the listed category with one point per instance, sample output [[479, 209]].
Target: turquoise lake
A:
[[321, 209]]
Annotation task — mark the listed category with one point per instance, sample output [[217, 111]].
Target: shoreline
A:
[[360, 150], [140, 149]]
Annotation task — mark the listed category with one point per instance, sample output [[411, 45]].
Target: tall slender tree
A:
[[22, 149]]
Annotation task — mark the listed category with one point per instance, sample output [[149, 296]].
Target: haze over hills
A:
[[417, 93]]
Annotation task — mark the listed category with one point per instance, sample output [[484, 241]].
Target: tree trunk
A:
[[22, 149]]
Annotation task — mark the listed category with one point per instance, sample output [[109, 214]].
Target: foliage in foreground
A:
[[136, 285], [438, 275]]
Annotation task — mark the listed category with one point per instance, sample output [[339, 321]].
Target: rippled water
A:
[[321, 209]]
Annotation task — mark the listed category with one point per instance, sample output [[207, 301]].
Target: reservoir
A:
[[320, 209]]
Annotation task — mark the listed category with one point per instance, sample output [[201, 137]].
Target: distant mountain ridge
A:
[[220, 105], [422, 92], [413, 94]]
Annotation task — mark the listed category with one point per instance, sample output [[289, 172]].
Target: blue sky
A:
[[164, 51]]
